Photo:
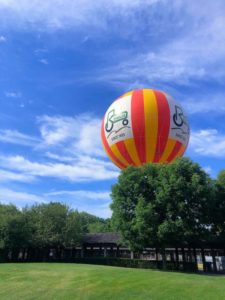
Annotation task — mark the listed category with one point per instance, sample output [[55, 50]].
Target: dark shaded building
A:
[[101, 244]]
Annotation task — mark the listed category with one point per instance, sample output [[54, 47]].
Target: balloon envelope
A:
[[144, 126]]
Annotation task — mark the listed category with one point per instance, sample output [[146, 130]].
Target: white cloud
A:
[[80, 134], [82, 159], [184, 43], [208, 142], [189, 46], [205, 103], [19, 198], [40, 51], [6, 176], [208, 170], [76, 136], [61, 158], [2, 39], [180, 60], [93, 202], [90, 195], [59, 14], [57, 129], [13, 94], [71, 147], [43, 61], [80, 171], [16, 137]]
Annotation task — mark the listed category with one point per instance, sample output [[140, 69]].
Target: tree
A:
[[162, 204], [101, 225], [44, 228], [188, 194], [133, 207], [73, 229], [48, 222], [15, 233], [93, 224], [18, 234], [7, 212], [218, 210]]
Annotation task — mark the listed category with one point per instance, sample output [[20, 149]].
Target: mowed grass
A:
[[76, 281]]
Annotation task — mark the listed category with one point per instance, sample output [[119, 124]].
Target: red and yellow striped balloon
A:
[[144, 126]]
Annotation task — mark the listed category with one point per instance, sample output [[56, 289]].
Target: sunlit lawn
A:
[[76, 281]]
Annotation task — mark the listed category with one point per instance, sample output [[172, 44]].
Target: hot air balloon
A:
[[144, 126]]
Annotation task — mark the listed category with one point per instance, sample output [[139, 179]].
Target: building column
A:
[[117, 251], [132, 254], [156, 255], [203, 259], [214, 260], [82, 252], [105, 251]]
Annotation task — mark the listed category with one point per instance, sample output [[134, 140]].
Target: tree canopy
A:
[[165, 204], [45, 226]]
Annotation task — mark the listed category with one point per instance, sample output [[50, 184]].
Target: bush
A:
[[3, 257], [137, 263]]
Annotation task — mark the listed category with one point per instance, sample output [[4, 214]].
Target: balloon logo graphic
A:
[[144, 126]]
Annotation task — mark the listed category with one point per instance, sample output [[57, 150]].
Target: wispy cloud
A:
[[94, 202], [180, 60], [60, 14], [71, 148], [6, 176], [43, 61], [13, 94], [16, 137], [40, 51], [80, 134], [75, 136], [210, 143], [80, 171], [2, 39], [208, 170], [185, 43], [183, 52], [204, 103], [19, 198], [91, 195]]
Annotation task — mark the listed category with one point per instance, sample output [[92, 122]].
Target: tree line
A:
[[158, 205], [44, 226]]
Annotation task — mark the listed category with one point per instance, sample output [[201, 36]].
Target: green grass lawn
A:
[[76, 281]]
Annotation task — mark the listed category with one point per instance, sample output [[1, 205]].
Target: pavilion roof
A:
[[102, 238]]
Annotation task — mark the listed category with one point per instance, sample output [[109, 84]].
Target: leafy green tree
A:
[[100, 225], [94, 224], [7, 213], [73, 229], [218, 210], [135, 188], [163, 205], [39, 228], [18, 233], [188, 194], [48, 222], [15, 233]]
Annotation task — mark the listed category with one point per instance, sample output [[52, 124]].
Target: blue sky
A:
[[63, 62]]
